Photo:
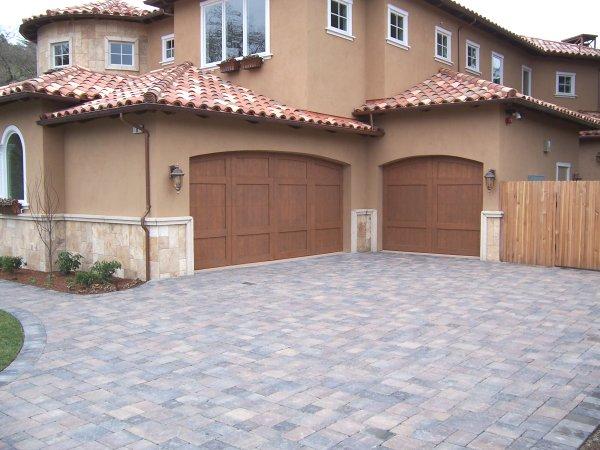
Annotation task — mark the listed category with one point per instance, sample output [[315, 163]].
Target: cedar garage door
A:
[[433, 205], [250, 207]]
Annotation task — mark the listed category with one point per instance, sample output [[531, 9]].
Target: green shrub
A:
[[10, 263], [105, 269], [86, 279], [68, 262]]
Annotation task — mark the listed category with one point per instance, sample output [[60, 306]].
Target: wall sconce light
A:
[[176, 176], [490, 179], [598, 158], [547, 146]]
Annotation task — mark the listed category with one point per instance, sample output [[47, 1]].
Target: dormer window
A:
[[233, 29], [61, 54]]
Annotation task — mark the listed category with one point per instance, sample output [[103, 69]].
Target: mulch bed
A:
[[59, 282], [593, 442]]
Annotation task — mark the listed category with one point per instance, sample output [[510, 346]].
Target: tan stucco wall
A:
[[88, 41], [522, 144], [156, 31], [589, 166]]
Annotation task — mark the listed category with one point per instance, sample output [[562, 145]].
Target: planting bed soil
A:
[[61, 282]]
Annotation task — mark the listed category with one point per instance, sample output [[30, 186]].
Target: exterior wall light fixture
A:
[[176, 176], [490, 179]]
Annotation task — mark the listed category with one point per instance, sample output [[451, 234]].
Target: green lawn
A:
[[11, 339]]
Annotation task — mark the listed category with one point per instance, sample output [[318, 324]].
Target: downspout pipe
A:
[[143, 223]]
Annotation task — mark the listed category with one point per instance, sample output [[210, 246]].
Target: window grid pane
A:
[[15, 169], [60, 52], [397, 26], [472, 58], [442, 45], [339, 15], [121, 54]]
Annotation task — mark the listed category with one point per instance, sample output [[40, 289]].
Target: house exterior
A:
[[393, 123]]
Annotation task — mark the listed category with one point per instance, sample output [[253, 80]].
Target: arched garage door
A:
[[250, 207], [432, 205]]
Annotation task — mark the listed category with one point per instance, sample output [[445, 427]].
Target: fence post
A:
[[490, 235]]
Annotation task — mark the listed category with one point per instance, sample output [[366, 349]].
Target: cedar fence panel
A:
[[551, 223]]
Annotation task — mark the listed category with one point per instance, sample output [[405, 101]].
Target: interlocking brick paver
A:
[[344, 351]]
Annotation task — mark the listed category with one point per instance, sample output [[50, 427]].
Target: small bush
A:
[[10, 264], [68, 262], [86, 279], [105, 269]]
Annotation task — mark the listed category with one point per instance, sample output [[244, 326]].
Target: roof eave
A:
[[25, 95], [147, 107]]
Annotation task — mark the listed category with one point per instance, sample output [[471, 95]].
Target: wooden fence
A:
[[551, 223]]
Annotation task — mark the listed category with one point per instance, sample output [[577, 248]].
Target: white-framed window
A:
[[563, 171], [526, 82], [13, 170], [565, 84], [121, 53], [497, 68], [168, 48], [397, 27], [61, 54], [443, 45], [339, 18], [472, 57], [233, 29]]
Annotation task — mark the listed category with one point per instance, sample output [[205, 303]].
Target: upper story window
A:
[[61, 54], [397, 26], [443, 44], [526, 84], [121, 54], [497, 68], [565, 84], [168, 48], [234, 28], [472, 55], [339, 17], [12, 165]]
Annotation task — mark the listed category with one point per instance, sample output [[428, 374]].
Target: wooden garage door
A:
[[433, 205], [250, 207]]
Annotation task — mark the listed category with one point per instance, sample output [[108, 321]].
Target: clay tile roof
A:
[[112, 9], [590, 134], [563, 48], [185, 86], [450, 87], [73, 82]]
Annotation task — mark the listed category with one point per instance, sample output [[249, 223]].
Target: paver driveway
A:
[[347, 350]]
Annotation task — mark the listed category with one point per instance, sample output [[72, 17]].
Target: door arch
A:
[[258, 206], [433, 204]]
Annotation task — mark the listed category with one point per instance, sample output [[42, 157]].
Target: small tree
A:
[[44, 202]]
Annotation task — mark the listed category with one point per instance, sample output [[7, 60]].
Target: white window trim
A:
[[528, 70], [163, 41], [447, 60], [561, 94], [563, 165], [336, 31], [108, 39], [8, 132], [58, 41], [265, 55], [390, 40], [475, 70], [500, 56]]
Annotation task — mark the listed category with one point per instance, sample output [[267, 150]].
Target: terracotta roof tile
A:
[[450, 87], [115, 9], [563, 48], [590, 134], [183, 86]]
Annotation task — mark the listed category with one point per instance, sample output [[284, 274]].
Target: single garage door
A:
[[250, 207], [433, 205]]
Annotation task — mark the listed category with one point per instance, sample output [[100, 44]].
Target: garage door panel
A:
[[407, 203], [458, 204], [210, 252], [265, 206], [250, 166], [433, 205], [292, 206], [328, 207]]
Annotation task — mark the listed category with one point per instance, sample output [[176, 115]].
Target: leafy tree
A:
[[17, 59]]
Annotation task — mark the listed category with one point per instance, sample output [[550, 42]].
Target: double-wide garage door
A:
[[433, 205], [250, 207]]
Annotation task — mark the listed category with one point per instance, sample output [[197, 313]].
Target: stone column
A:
[[490, 235], [363, 230]]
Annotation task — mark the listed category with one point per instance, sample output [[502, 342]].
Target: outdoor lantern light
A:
[[176, 175], [490, 179]]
